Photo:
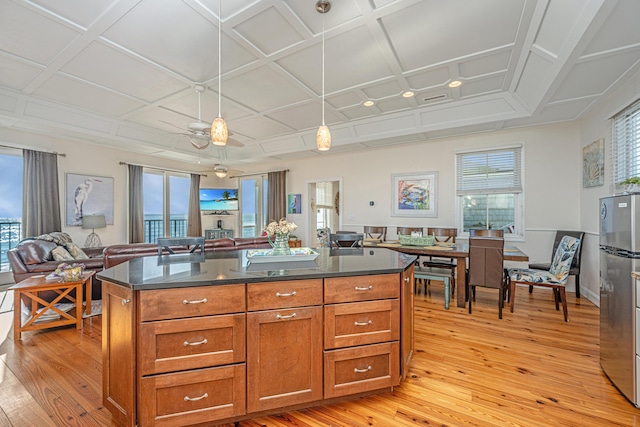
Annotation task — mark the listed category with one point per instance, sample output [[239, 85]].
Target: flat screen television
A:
[[219, 199]]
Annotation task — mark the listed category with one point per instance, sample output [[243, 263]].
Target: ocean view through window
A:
[[10, 203]]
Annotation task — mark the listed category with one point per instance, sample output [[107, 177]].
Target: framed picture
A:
[[414, 194], [294, 203], [593, 164], [88, 195]]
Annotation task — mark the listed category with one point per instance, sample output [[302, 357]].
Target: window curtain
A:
[[136, 205], [41, 197], [194, 221], [277, 198]]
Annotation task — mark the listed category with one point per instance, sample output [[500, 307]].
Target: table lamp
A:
[[92, 222]]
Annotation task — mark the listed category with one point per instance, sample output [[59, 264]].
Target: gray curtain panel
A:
[[40, 195], [194, 221], [136, 205], [277, 199]]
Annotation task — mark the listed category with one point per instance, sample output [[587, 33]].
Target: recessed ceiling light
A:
[[408, 94], [455, 83], [368, 103]]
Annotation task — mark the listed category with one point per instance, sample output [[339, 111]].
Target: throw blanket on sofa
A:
[[57, 237]]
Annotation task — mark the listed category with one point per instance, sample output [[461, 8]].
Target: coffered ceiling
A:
[[122, 73]]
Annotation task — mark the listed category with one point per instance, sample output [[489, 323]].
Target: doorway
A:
[[325, 207]]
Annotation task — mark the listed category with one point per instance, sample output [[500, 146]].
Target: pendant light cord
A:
[[219, 58], [323, 69]]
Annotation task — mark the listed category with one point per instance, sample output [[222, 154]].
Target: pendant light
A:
[[219, 131], [323, 137], [220, 171]]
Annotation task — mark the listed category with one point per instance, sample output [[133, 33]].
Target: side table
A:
[[295, 243], [32, 286]]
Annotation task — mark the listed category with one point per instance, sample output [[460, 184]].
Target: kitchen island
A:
[[213, 338]]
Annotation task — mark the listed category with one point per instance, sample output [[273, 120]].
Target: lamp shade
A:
[[93, 221]]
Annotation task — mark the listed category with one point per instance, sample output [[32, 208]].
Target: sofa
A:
[[34, 256], [117, 254]]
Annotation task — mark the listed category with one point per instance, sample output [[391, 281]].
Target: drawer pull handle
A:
[[363, 323], [361, 371], [291, 316], [195, 399], [200, 301], [187, 343], [126, 301], [368, 288], [406, 280], [291, 294]]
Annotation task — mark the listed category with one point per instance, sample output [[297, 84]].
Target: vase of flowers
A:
[[69, 272], [281, 230]]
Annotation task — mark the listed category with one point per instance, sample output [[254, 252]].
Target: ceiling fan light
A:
[[200, 142], [220, 171], [219, 131], [323, 138]]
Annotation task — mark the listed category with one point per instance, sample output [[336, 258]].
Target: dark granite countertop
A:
[[229, 267]]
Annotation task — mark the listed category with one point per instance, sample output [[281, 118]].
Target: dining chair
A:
[[375, 232], [575, 264], [443, 235], [194, 244], [486, 259], [406, 231], [346, 240], [555, 278], [484, 232]]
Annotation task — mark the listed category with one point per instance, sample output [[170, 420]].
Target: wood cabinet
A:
[[213, 354], [362, 332]]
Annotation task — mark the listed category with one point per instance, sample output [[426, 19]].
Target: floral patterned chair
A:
[[555, 278]]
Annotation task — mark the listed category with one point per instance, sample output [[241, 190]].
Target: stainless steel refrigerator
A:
[[619, 257]]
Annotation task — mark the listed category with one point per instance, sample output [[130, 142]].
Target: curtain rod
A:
[[162, 169], [257, 173], [17, 148]]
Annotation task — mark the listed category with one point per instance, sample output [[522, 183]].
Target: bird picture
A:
[[88, 195], [81, 195]]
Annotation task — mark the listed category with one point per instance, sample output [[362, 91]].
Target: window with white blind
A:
[[625, 141], [489, 190]]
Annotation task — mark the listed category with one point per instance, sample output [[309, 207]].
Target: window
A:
[[166, 204], [489, 190], [625, 140], [10, 204]]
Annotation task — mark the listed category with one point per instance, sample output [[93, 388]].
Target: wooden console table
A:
[[32, 286]]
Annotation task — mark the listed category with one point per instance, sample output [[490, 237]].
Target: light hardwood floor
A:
[[528, 369]]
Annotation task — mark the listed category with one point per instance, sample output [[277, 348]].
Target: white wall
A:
[[593, 127]]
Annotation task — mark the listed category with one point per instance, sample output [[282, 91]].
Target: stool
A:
[[441, 274], [32, 286]]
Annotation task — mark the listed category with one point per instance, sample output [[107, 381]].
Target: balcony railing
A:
[[10, 236], [154, 228]]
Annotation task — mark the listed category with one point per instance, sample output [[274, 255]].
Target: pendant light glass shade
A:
[[220, 171], [323, 138], [219, 131]]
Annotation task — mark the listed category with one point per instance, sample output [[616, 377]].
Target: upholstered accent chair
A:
[[575, 264], [555, 277]]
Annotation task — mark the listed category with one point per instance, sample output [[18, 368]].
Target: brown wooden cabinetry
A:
[[214, 354]]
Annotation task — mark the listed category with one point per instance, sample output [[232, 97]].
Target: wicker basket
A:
[[417, 241]]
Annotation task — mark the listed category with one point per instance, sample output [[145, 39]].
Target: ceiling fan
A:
[[199, 133]]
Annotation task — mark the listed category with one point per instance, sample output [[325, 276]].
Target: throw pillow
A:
[[76, 252], [61, 254]]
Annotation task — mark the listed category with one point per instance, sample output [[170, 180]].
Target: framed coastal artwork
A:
[[88, 195], [593, 164], [294, 203], [414, 194]]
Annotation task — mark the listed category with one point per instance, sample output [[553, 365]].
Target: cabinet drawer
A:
[[293, 293], [360, 369], [360, 323], [192, 397], [361, 288], [181, 344], [195, 301]]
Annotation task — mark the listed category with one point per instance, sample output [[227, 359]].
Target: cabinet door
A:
[[118, 346], [284, 357], [406, 322]]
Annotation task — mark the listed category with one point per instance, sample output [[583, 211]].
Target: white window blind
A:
[[625, 141], [489, 171], [324, 193]]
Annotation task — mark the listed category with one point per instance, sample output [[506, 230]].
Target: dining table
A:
[[459, 251]]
